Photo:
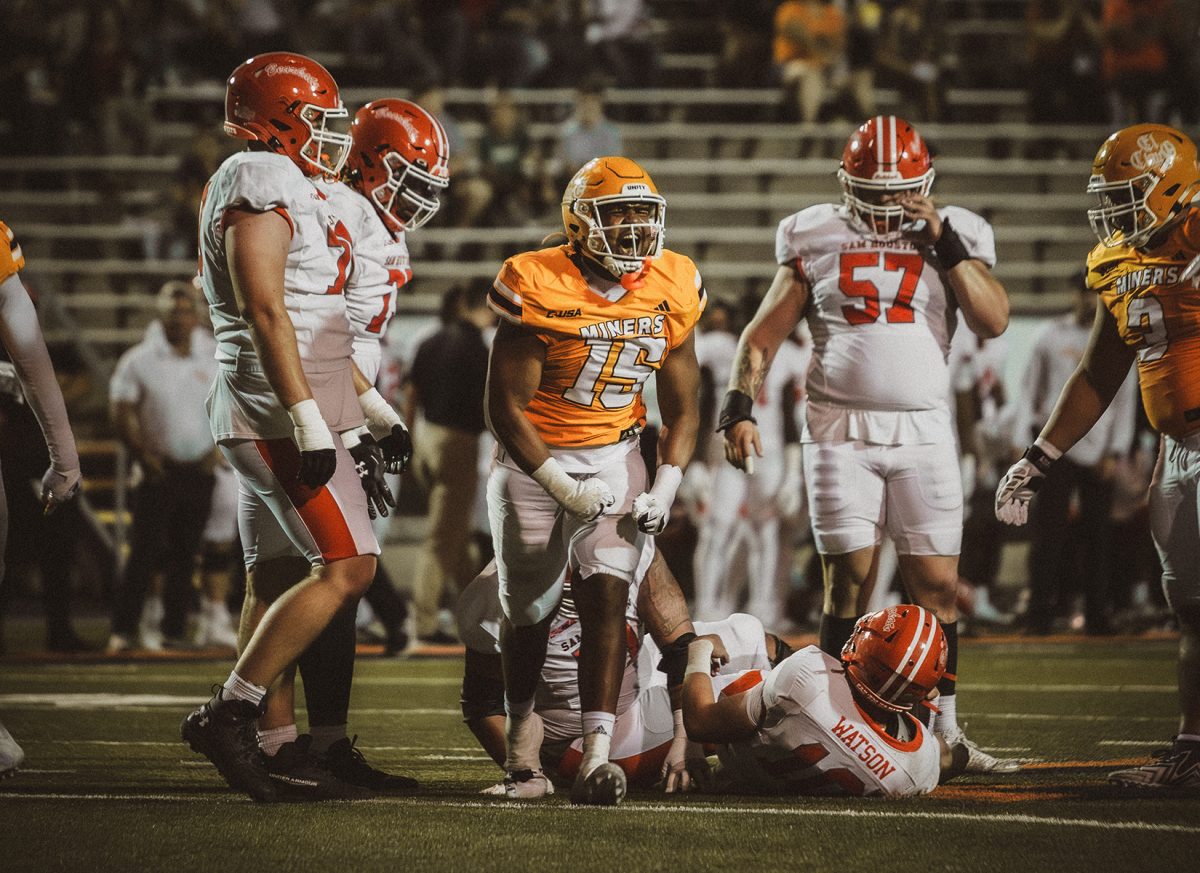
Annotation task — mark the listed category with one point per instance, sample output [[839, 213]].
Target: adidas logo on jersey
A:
[[662, 307]]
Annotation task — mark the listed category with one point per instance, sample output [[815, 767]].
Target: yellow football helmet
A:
[[613, 214], [1144, 177]]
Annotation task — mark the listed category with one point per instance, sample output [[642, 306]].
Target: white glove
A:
[[58, 488], [696, 489], [685, 766], [583, 498], [652, 509], [790, 496], [1021, 482]]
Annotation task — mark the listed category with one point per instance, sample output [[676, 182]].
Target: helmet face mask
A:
[[614, 216], [410, 194], [884, 157], [895, 657], [1143, 177], [290, 104]]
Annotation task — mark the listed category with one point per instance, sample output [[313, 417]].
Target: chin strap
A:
[[634, 281]]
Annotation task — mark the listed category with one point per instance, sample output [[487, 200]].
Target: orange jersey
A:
[[11, 259], [1158, 313], [599, 351]]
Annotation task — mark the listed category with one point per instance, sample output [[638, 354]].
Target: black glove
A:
[[316, 467], [397, 449], [369, 464]]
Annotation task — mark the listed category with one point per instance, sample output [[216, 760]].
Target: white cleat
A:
[[12, 756], [978, 761], [521, 785], [604, 786]]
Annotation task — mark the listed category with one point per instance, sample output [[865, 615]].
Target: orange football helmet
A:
[[285, 101], [1144, 176], [885, 155], [613, 214], [896, 656], [399, 160]]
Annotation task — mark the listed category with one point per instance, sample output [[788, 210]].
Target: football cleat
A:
[[604, 786], [299, 775], [344, 760], [12, 756], [1175, 768], [978, 761], [521, 785], [223, 731]]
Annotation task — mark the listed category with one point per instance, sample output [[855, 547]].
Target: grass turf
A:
[[107, 784]]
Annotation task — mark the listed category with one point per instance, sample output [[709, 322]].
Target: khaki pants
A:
[[446, 465]]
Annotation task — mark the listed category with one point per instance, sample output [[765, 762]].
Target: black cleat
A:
[[345, 761], [299, 775], [223, 731]]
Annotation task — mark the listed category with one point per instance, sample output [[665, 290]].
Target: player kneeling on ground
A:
[[817, 725]]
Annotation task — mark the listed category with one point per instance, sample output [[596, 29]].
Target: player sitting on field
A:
[[648, 741], [815, 724]]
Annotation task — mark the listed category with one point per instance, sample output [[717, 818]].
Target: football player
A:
[[396, 169], [817, 724], [582, 327], [1144, 272], [649, 743], [882, 279], [21, 335], [274, 261]]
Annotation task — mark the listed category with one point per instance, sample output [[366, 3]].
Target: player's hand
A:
[[685, 768], [922, 224], [397, 449], [720, 655], [742, 445], [369, 464], [58, 488], [696, 489], [652, 509], [589, 499], [318, 459], [1015, 490]]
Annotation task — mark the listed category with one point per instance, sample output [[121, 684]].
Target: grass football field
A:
[[108, 785]]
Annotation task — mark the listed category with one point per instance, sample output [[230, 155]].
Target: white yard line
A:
[[663, 809], [1161, 741]]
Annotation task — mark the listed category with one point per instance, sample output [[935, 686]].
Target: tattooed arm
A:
[[778, 314]]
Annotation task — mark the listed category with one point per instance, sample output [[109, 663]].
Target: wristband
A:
[[674, 658], [306, 413], [949, 247], [1042, 455], [379, 413], [677, 718], [737, 406], [553, 479], [666, 483], [354, 437], [699, 658]]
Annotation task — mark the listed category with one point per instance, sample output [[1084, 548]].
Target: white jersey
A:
[[789, 365], [381, 267], [813, 738], [318, 261], [881, 318]]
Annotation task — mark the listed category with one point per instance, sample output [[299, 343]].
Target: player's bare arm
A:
[[709, 719], [514, 373], [256, 246], [1083, 400], [981, 298], [778, 314], [678, 384], [125, 421]]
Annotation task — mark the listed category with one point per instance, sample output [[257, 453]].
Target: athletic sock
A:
[[946, 720], [597, 740], [518, 708], [834, 633], [327, 671], [237, 688], [325, 735], [1187, 738], [272, 739]]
